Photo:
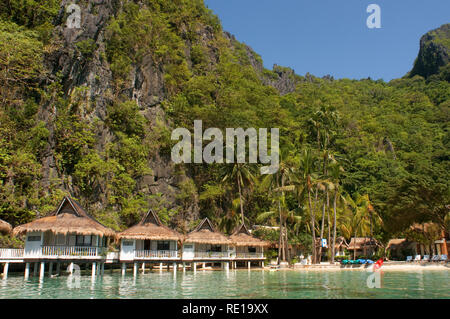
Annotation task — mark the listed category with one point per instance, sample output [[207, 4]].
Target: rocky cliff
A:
[[434, 53]]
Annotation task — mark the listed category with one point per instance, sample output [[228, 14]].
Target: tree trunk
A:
[[321, 231], [444, 247], [334, 226], [240, 199], [288, 254], [312, 228], [354, 246], [329, 227], [280, 241]]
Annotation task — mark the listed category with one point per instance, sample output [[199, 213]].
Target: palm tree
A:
[[275, 183], [242, 174], [283, 214], [361, 218], [335, 172], [304, 183]]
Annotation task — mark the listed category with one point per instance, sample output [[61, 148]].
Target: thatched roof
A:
[[70, 217], [150, 228], [5, 228], [359, 243], [205, 233], [242, 237], [340, 242], [400, 243]]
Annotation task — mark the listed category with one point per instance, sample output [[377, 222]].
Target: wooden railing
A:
[[249, 255], [156, 254], [10, 253], [71, 251], [212, 254]]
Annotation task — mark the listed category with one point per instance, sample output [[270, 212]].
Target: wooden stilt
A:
[[50, 269], [5, 270], [42, 272], [35, 269], [27, 271]]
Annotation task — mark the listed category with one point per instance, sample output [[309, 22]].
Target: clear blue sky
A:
[[330, 36]]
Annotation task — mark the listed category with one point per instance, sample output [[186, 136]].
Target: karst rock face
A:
[[145, 85], [73, 68], [434, 53]]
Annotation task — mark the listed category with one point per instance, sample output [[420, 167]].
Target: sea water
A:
[[232, 284]]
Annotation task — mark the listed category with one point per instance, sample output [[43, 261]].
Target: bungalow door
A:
[[33, 245], [127, 249]]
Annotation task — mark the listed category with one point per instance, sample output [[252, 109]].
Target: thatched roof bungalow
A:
[[149, 239], [205, 242], [205, 233], [5, 228], [150, 228], [340, 246], [362, 246], [69, 226], [247, 246], [68, 218]]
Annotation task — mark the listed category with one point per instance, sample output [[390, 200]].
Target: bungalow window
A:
[[146, 244], [163, 245], [127, 243], [216, 248], [34, 238], [60, 240], [83, 240], [252, 249]]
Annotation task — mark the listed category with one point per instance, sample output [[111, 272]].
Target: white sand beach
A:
[[387, 266]]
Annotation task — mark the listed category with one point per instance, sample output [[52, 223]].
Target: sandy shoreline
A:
[[395, 266]]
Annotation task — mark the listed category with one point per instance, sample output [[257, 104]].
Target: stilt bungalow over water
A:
[[69, 235], [247, 248], [206, 245], [149, 241]]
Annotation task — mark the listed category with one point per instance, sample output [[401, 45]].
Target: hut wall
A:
[[209, 247], [248, 249], [72, 240], [33, 244], [154, 244]]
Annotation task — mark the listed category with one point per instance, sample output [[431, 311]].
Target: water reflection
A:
[[232, 284]]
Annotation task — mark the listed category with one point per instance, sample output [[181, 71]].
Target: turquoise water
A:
[[235, 284]]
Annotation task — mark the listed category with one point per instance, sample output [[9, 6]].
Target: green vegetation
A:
[[358, 158]]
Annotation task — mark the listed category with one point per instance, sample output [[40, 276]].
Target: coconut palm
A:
[[360, 219], [243, 175], [275, 184], [303, 182], [335, 171]]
